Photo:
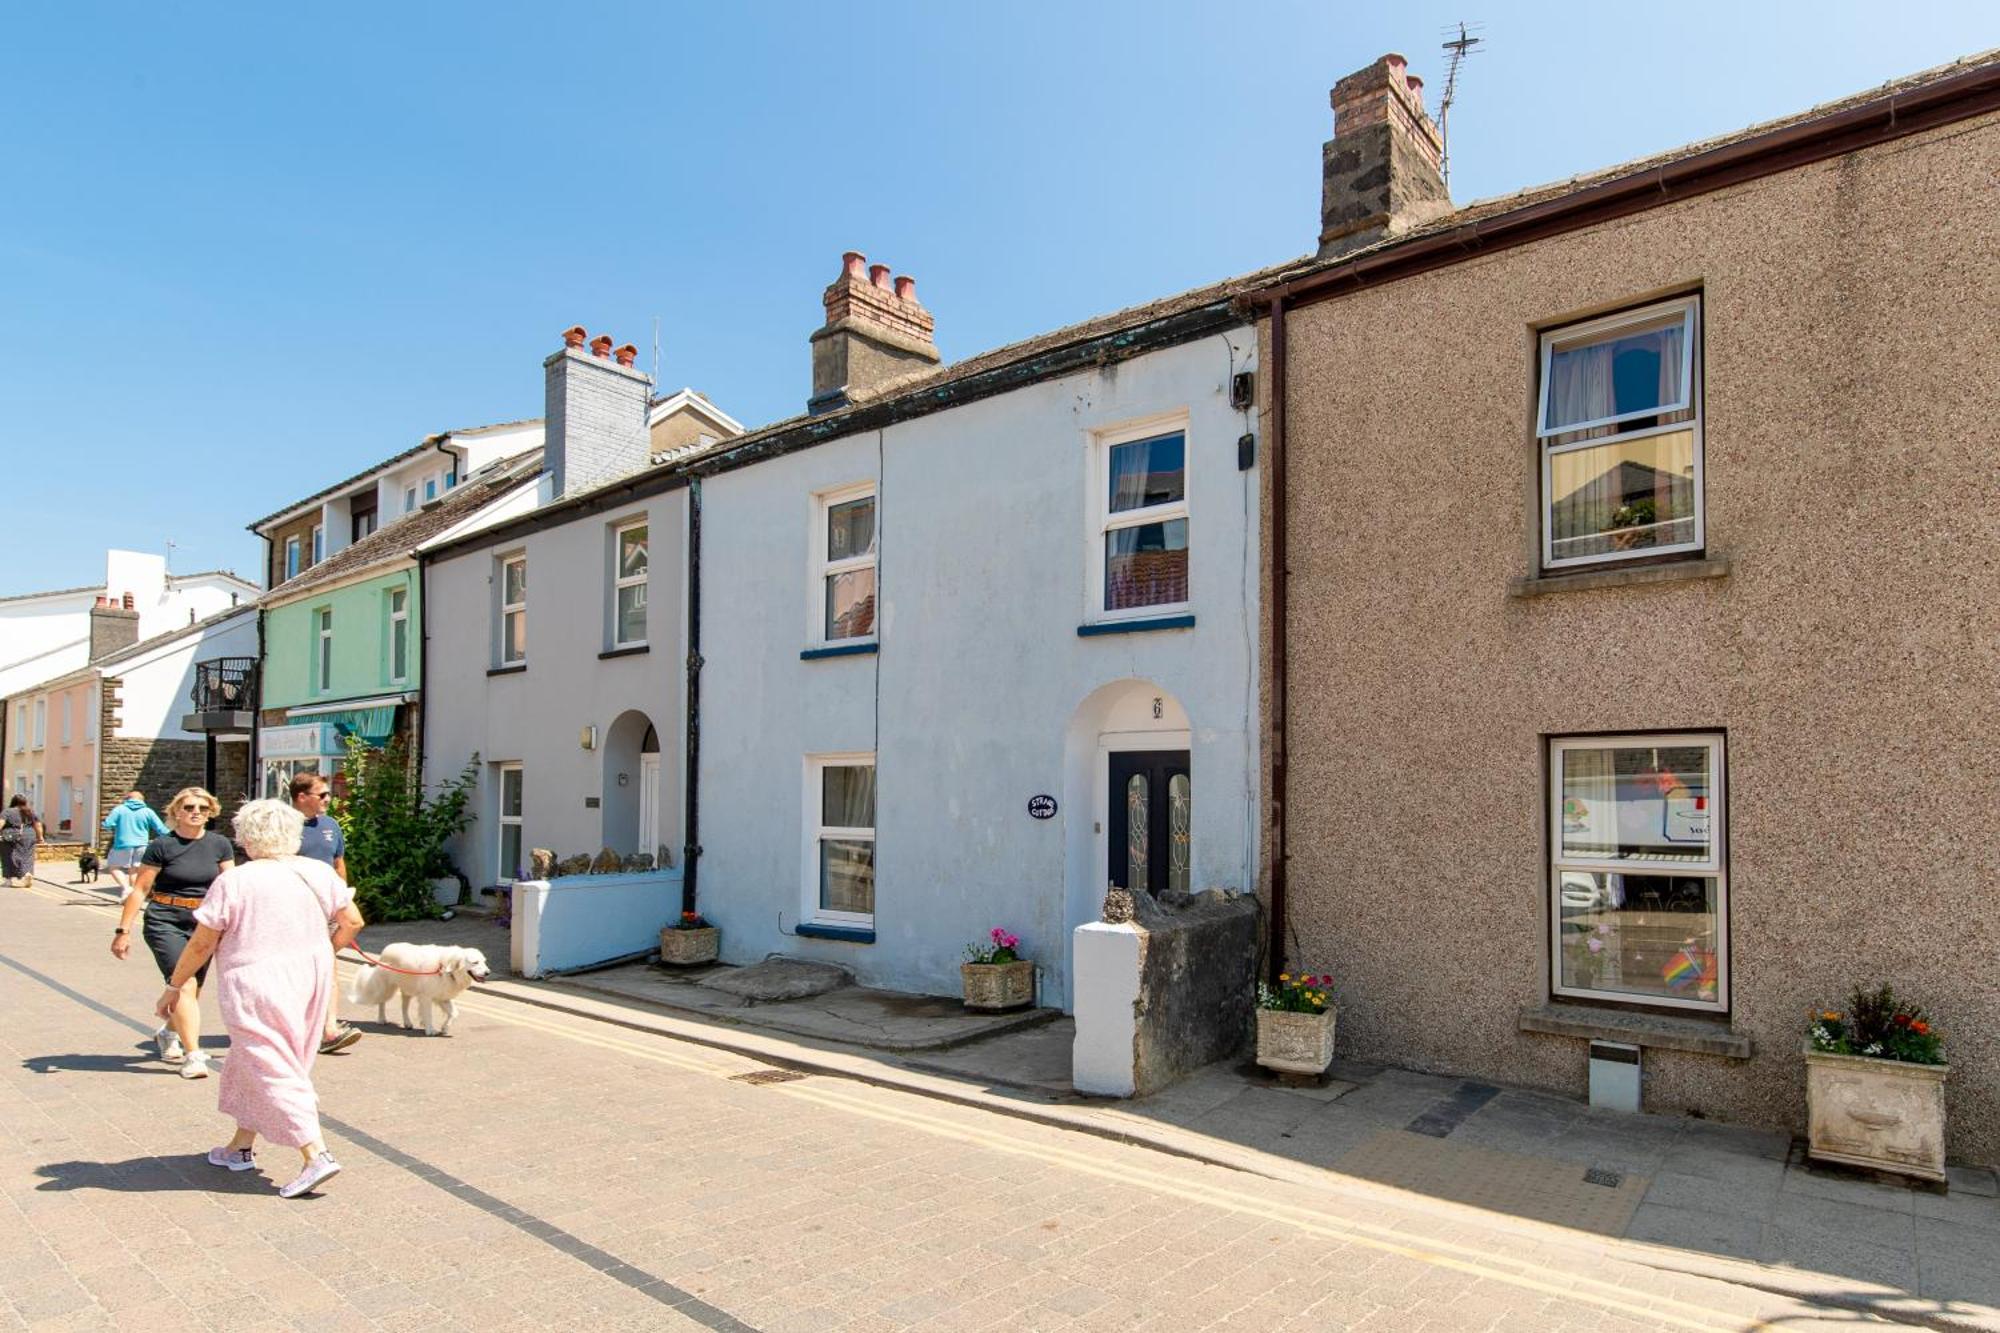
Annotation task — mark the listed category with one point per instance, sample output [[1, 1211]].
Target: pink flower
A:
[[1596, 944]]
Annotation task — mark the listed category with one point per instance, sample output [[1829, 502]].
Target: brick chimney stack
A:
[[1382, 171], [875, 331], [113, 626], [596, 413]]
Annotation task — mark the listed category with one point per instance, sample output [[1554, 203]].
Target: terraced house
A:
[[1634, 655]]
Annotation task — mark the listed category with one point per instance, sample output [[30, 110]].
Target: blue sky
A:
[[249, 250]]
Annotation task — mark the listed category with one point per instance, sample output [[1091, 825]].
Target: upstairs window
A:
[[1619, 421], [844, 560], [20, 728], [1140, 555], [631, 557], [291, 557], [41, 724], [399, 635], [323, 649], [409, 499], [67, 703], [513, 610], [318, 543]]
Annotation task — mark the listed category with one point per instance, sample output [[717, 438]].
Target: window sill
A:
[[1134, 626], [1695, 1035], [1627, 576], [851, 934], [629, 650], [510, 669], [839, 650]]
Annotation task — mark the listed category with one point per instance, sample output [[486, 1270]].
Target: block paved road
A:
[[538, 1170]]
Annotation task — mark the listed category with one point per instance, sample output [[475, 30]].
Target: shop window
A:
[[1638, 875], [1619, 420]]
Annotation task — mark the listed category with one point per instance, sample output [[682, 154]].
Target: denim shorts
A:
[[124, 858]]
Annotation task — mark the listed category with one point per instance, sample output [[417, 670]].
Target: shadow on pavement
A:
[[148, 1175], [98, 1062]]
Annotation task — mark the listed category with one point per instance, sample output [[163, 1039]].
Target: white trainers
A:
[[196, 1065], [319, 1170], [169, 1043], [233, 1159]]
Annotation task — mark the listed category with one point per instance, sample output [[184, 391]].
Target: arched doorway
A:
[[1129, 791], [631, 800]]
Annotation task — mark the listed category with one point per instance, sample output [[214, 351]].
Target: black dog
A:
[[86, 867]]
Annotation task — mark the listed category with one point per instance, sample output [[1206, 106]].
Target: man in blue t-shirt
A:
[[323, 841]]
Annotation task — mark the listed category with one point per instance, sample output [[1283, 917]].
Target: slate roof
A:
[[419, 447], [400, 540]]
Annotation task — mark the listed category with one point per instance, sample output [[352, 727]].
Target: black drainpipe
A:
[[423, 657], [257, 707], [691, 849], [1280, 580]]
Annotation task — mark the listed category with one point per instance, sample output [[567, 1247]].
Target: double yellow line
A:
[[837, 1095]]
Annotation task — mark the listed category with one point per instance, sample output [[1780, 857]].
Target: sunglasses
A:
[[195, 808]]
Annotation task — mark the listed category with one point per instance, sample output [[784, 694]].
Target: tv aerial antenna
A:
[[1458, 49]]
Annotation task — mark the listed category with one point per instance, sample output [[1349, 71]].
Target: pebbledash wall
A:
[[982, 693], [1849, 653], [572, 715]]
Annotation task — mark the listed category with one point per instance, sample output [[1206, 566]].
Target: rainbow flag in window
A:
[[1688, 966]]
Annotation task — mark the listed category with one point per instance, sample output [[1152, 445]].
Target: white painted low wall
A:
[[578, 921], [1104, 1059]]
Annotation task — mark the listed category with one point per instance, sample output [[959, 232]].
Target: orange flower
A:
[[1921, 1028]]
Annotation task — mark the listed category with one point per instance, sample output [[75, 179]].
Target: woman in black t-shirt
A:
[[174, 875]]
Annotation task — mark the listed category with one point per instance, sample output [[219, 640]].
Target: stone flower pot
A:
[[998, 985], [1885, 1114], [683, 948], [1293, 1043]]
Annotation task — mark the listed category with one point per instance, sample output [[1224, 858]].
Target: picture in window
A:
[[1638, 872]]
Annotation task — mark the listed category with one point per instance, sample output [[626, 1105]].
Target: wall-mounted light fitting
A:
[[587, 738]]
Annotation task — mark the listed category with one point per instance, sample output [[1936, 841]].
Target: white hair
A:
[[269, 828]]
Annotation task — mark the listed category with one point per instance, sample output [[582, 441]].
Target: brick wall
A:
[[159, 768]]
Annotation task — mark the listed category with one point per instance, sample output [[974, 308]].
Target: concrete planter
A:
[[1884, 1114], [683, 948], [1295, 1043], [998, 985]]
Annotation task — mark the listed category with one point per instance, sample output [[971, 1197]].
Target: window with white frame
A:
[[291, 557], [399, 635], [67, 703], [409, 498], [630, 560], [513, 609], [20, 728], [1140, 550], [1619, 420], [65, 803], [318, 543], [840, 838], [90, 706], [508, 865], [1639, 869], [844, 559], [430, 489], [323, 649], [41, 723]]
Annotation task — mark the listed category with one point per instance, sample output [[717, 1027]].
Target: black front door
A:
[[1150, 805]]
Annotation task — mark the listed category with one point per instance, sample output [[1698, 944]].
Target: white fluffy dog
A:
[[427, 973]]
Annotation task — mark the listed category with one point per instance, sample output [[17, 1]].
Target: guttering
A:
[[691, 845], [1274, 440], [1959, 97]]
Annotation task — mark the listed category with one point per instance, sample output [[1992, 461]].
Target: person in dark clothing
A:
[[20, 830], [173, 878], [324, 842]]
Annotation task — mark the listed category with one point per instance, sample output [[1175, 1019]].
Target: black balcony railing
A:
[[225, 685]]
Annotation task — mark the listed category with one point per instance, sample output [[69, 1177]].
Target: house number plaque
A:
[[1042, 807]]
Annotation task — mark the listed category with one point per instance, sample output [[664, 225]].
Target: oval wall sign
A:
[[1042, 807]]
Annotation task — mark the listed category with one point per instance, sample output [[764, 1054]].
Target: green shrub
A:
[[396, 833]]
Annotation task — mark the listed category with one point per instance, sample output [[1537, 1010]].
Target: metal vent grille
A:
[[1598, 1175]]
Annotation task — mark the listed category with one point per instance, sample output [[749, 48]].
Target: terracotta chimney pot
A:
[[128, 601], [574, 335], [879, 275], [600, 346], [854, 264], [906, 287], [626, 354]]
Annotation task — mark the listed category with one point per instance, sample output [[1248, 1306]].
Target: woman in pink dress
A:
[[266, 923]]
